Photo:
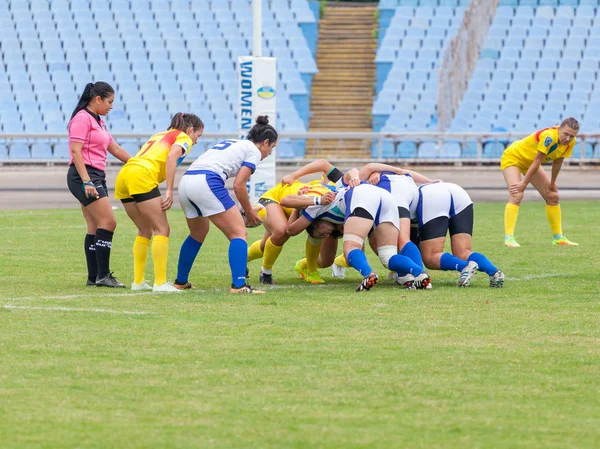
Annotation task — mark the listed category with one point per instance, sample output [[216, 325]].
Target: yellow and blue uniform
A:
[[522, 152], [147, 169]]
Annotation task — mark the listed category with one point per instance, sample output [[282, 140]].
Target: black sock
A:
[[103, 245], [89, 246]]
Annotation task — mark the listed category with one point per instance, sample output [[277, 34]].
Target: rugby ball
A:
[[258, 208]]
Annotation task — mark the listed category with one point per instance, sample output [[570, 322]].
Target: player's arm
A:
[[317, 166], [374, 167], [88, 186], [170, 168], [533, 168], [297, 226], [241, 193], [352, 177], [556, 166], [117, 151], [304, 201]]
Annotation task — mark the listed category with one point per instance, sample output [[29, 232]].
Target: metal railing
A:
[[384, 146]]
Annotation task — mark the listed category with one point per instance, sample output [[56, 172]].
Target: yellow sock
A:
[[340, 261], [140, 253], [160, 252], [312, 254], [511, 213], [271, 254], [555, 219], [254, 251]]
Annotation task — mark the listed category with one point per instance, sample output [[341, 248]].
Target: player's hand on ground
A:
[[168, 201], [252, 219], [327, 198], [374, 178], [289, 180]]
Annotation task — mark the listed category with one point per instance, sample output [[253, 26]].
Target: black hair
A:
[[312, 227], [183, 121], [262, 131], [571, 123], [97, 89]]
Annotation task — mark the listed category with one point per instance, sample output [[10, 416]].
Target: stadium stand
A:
[[539, 63], [160, 56]]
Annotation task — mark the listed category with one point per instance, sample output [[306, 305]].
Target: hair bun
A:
[[262, 120]]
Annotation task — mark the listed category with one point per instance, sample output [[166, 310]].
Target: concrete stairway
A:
[[343, 90]]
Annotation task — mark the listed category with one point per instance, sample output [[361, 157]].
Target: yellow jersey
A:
[[282, 190], [153, 155], [522, 152]]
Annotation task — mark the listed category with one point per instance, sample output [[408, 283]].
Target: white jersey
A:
[[378, 202], [439, 199], [402, 188], [227, 158], [335, 212]]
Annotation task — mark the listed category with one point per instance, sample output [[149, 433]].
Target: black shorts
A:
[[140, 197], [461, 223], [75, 183], [265, 201]]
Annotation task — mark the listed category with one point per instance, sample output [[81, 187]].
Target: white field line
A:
[[273, 287], [14, 228], [107, 295], [539, 276], [72, 309]]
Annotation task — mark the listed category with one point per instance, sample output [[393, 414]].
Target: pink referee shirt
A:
[[92, 133]]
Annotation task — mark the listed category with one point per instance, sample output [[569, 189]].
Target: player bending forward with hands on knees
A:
[[525, 157]]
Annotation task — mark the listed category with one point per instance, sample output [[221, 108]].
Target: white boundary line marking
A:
[[349, 282], [71, 309], [540, 276], [41, 227], [108, 295]]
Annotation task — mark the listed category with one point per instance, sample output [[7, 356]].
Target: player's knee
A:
[[516, 198], [164, 229], [279, 237], [110, 224], [463, 253], [551, 198], [385, 253]]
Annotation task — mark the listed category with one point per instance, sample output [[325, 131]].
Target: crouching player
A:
[[365, 207], [445, 207]]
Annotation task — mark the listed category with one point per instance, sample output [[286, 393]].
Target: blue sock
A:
[[187, 255], [411, 251], [448, 262], [238, 259], [484, 263], [403, 265], [358, 261]]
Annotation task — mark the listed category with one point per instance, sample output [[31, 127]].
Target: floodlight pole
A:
[[257, 28]]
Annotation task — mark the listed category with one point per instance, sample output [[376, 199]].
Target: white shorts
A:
[[378, 202], [439, 209], [202, 194]]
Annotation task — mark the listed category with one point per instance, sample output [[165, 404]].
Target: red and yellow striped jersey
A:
[[153, 155]]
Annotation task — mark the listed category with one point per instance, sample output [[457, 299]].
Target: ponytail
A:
[[262, 131], [183, 121], [98, 89]]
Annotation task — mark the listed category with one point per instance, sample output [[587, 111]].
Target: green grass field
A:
[[302, 366]]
